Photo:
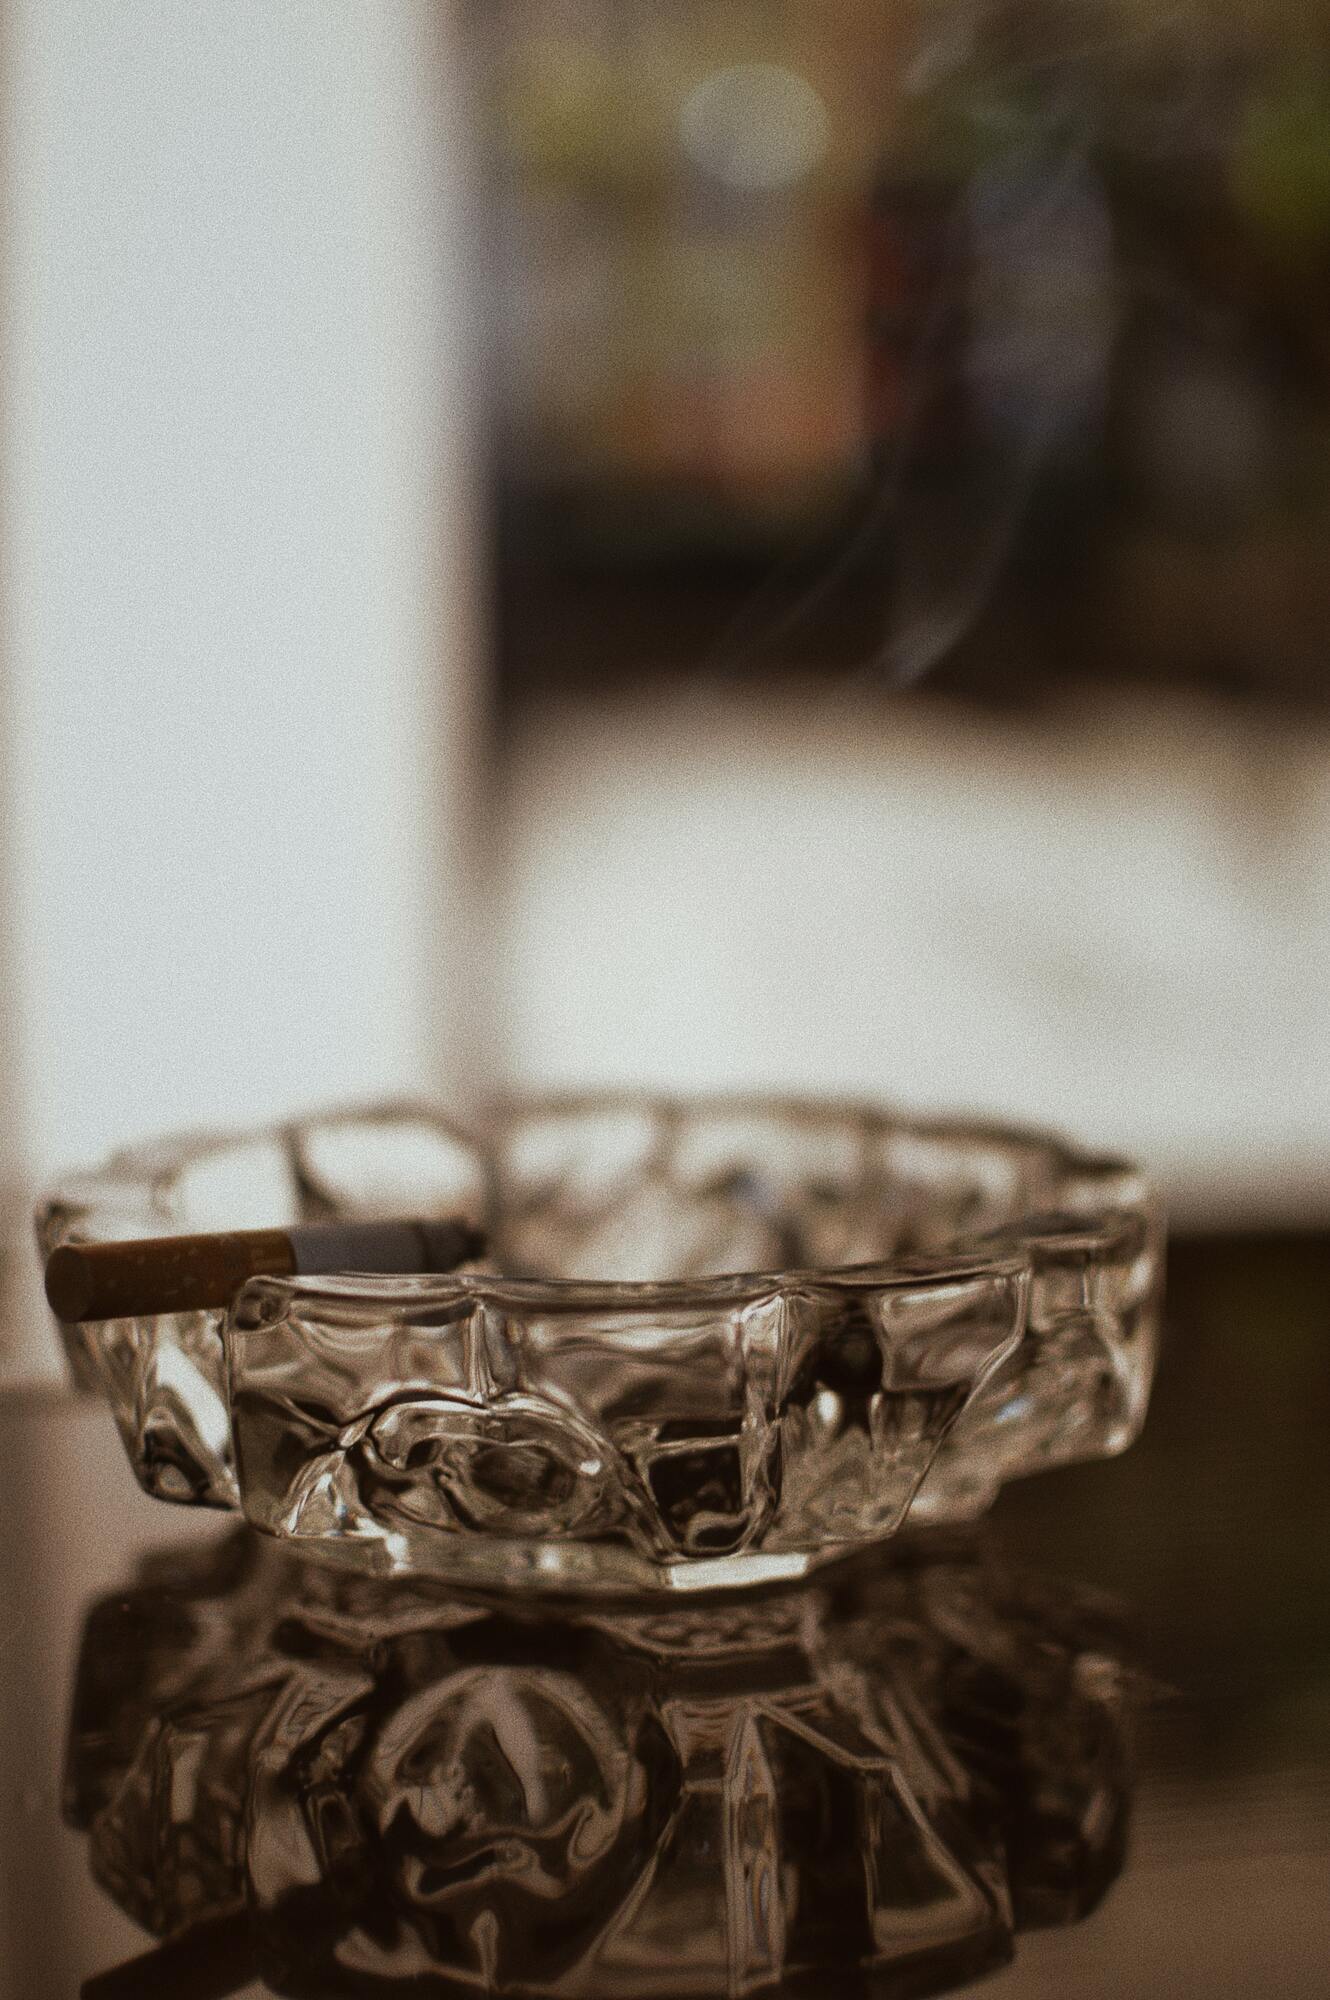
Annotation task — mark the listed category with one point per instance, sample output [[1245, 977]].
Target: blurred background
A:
[[646, 540]]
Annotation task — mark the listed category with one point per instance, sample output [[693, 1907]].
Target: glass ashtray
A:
[[712, 1343]]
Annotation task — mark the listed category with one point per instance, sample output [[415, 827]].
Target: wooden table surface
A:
[[1212, 1534]]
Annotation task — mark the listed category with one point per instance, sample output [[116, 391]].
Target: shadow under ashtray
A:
[[345, 1786]]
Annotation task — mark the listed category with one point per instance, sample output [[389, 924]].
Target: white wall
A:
[[239, 628]]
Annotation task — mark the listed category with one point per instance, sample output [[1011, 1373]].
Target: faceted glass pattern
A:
[[714, 1343], [347, 1785]]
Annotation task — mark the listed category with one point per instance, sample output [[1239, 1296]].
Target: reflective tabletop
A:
[[1083, 1750]]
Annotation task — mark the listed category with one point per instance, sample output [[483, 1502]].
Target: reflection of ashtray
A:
[[357, 1787], [718, 1343]]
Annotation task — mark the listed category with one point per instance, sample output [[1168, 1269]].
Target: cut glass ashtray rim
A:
[[1047, 1322]]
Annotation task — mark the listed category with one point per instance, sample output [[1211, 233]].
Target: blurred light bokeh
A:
[[914, 474]]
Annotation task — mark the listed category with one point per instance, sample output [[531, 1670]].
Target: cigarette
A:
[[212, 1960], [176, 1274]]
